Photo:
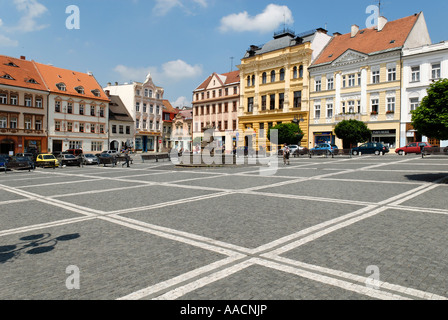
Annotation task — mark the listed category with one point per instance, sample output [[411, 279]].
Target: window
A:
[[138, 93], [81, 127], [344, 81], [101, 128], [359, 79], [80, 90], [392, 74], [96, 93], [7, 76], [114, 129], [375, 105], [69, 126], [227, 91], [272, 102], [38, 125], [28, 123], [343, 107], [128, 129], [3, 122], [263, 103], [92, 128], [15, 101], [329, 110], [234, 106], [157, 110], [61, 87], [294, 73], [391, 105], [75, 144], [39, 103], [359, 106], [351, 107], [351, 80], [81, 109], [69, 108], [415, 103], [137, 107], [273, 76], [234, 125], [317, 111], [146, 92], [375, 76], [57, 106], [137, 124], [297, 99], [28, 101], [3, 98], [97, 146], [264, 78], [253, 82], [436, 71], [145, 109], [151, 109], [415, 74], [250, 105], [281, 100], [121, 130], [318, 85], [92, 111], [145, 125], [301, 72], [235, 90], [330, 83], [282, 75], [13, 122], [57, 126]]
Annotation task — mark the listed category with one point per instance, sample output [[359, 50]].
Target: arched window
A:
[[282, 75], [272, 76], [248, 81], [253, 80], [264, 78], [301, 72], [294, 73]]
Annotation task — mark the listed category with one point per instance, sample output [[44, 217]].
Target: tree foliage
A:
[[431, 117], [288, 133], [352, 132]]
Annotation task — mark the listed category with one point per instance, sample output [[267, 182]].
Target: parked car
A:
[[69, 160], [301, 151], [106, 158], [371, 148], [29, 155], [324, 148], [414, 147], [3, 161], [47, 160], [75, 152], [112, 152], [20, 163], [89, 158]]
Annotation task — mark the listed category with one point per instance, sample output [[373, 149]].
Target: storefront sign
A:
[[383, 132], [323, 133]]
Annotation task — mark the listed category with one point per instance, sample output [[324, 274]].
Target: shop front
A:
[[324, 137], [146, 143], [22, 144], [386, 137]]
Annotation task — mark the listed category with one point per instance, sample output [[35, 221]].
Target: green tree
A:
[[431, 117], [352, 132], [289, 133]]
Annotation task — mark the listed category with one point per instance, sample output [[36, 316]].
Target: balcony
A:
[[21, 131], [348, 116]]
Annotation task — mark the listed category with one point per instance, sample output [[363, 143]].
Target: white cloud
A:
[[31, 10], [162, 7], [181, 102], [6, 42], [171, 71], [270, 19], [202, 3]]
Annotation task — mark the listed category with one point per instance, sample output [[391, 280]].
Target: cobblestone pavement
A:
[[329, 229]]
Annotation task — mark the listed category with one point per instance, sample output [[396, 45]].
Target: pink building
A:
[[215, 104]]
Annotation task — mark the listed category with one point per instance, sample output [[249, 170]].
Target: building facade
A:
[[23, 107], [215, 106], [359, 75], [77, 110], [274, 84], [182, 134], [169, 113], [121, 129], [421, 66], [144, 102]]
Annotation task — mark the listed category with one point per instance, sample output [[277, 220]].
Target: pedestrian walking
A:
[[127, 159], [286, 155]]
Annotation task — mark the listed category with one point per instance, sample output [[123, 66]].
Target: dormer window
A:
[[11, 64], [32, 81], [96, 93], [7, 76], [80, 90], [61, 87]]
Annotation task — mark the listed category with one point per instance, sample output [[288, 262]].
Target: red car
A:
[[415, 147]]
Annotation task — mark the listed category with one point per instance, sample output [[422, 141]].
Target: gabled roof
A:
[[118, 111], [370, 40], [20, 73], [225, 78], [71, 79], [167, 107]]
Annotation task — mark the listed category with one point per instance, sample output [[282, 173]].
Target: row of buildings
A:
[[376, 75], [48, 109]]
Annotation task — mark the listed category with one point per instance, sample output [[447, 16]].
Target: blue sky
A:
[[181, 42]]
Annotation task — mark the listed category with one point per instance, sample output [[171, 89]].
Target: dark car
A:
[[371, 148], [20, 163], [106, 158], [415, 147], [3, 162], [89, 158], [75, 152], [69, 160]]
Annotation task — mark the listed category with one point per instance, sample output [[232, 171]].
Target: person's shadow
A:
[[35, 244]]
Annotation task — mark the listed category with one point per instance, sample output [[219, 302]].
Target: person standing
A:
[[127, 158], [286, 155]]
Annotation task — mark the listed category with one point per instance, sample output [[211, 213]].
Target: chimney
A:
[[22, 58], [109, 84], [382, 21], [116, 83], [355, 30]]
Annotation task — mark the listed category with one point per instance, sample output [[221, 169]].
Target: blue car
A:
[[3, 162], [324, 148]]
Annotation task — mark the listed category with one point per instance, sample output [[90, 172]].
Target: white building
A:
[[144, 101], [421, 66], [121, 125], [78, 110]]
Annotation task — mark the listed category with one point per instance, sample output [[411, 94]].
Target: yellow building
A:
[[359, 75], [274, 84]]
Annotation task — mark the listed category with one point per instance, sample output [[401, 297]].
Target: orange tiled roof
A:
[[168, 107], [21, 71], [369, 40], [231, 77], [72, 79]]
